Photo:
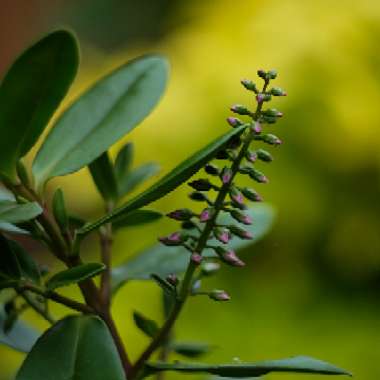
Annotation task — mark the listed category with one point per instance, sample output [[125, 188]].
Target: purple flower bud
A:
[[234, 122], [271, 139], [202, 184], [251, 156], [172, 279], [263, 155], [260, 98], [277, 91], [226, 175], [249, 85], [180, 214], [252, 195], [196, 258], [256, 127], [219, 295], [240, 109], [240, 232], [238, 198], [231, 258], [261, 73], [241, 217], [212, 169], [176, 238], [258, 176], [206, 215], [222, 234]]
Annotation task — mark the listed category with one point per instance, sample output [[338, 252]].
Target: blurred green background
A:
[[312, 286]]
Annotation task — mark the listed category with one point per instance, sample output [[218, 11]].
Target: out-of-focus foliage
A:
[[316, 278]]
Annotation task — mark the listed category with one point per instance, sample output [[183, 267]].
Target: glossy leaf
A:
[[146, 325], [136, 218], [136, 177], [59, 209], [299, 364], [11, 212], [190, 349], [164, 260], [75, 348], [21, 337], [169, 182], [74, 275], [9, 227], [106, 112], [102, 172], [123, 161], [30, 93]]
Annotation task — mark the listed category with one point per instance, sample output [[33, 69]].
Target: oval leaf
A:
[[22, 337], [136, 218], [77, 348], [164, 260], [298, 364], [30, 93], [190, 349], [74, 275], [146, 325], [169, 182], [123, 161], [11, 212], [101, 116]]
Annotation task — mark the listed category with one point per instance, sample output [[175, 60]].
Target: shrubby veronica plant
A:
[[86, 345]]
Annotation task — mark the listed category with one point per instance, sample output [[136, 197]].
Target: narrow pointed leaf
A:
[[299, 364], [169, 182], [9, 227], [77, 348], [21, 337], [102, 172], [123, 161], [146, 325], [190, 349], [136, 218], [74, 275], [164, 260], [106, 112], [30, 93], [11, 212], [136, 177], [59, 209]]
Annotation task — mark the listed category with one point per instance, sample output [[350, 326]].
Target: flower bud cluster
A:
[[221, 194]]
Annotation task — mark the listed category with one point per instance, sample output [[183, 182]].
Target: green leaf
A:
[[21, 337], [75, 348], [11, 212], [59, 209], [101, 116], [190, 349], [16, 264], [136, 218], [163, 284], [9, 227], [30, 93], [299, 364], [136, 177], [164, 260], [169, 182], [146, 325], [123, 161], [102, 172], [74, 275]]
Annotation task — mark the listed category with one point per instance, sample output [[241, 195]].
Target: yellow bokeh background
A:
[[311, 287]]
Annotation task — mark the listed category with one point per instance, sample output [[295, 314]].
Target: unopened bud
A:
[[258, 176], [181, 214], [234, 142], [240, 110], [256, 127], [241, 217], [226, 175], [212, 169], [251, 194], [188, 225], [210, 268], [222, 155], [219, 295], [277, 91], [234, 122], [271, 139], [201, 184], [206, 214], [265, 156], [172, 279], [262, 73], [272, 112], [251, 156], [197, 196], [272, 74], [222, 234], [240, 232], [196, 258], [176, 238], [236, 196], [249, 85]]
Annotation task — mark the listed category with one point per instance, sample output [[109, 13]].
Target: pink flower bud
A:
[[226, 175], [206, 215], [176, 238], [219, 295], [196, 258]]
